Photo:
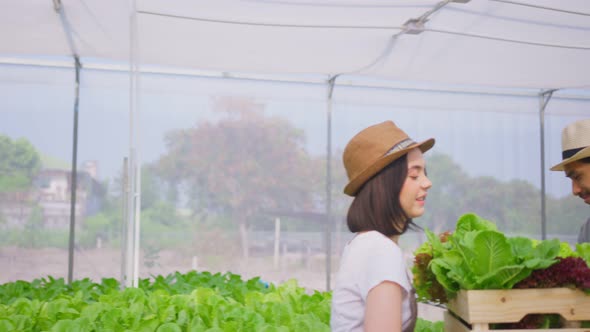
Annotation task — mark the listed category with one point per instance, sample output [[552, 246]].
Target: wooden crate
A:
[[479, 308]]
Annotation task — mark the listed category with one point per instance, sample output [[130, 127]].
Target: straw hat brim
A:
[[584, 153], [354, 185]]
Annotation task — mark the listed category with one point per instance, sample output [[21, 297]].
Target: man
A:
[[575, 146]]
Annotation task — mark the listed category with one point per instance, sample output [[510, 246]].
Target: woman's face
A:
[[413, 193]]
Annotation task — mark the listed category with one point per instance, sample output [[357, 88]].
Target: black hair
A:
[[377, 204]]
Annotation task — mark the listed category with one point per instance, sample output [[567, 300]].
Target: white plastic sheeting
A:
[[494, 45], [526, 44]]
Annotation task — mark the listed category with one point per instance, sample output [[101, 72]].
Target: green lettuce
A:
[[478, 256]]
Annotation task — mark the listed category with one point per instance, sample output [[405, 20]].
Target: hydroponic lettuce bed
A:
[[179, 302], [490, 281], [195, 301]]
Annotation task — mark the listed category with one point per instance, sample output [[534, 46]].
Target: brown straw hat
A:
[[375, 147], [575, 143]]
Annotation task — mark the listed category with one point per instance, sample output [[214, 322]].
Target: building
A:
[[51, 196]]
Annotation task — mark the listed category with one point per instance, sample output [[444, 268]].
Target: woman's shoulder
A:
[[374, 239]]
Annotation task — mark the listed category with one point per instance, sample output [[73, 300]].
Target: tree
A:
[[449, 187], [108, 224], [242, 164], [150, 188], [19, 164], [566, 215], [339, 201], [514, 205], [33, 227], [97, 226]]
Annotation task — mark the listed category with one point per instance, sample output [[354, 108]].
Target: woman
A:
[[387, 177]]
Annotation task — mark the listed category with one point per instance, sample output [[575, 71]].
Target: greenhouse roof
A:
[[494, 43]]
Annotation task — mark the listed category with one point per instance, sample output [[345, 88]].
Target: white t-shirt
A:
[[368, 259]]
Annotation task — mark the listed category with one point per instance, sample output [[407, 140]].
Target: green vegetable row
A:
[[178, 302]]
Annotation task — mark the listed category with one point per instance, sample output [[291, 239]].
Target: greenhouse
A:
[[164, 156]]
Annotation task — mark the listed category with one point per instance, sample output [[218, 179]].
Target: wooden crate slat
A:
[[452, 324], [507, 306]]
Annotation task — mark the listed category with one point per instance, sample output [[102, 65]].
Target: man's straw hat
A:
[[375, 147], [575, 143]]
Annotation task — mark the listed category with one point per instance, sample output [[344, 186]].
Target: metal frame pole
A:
[[124, 227], [58, 7], [331, 83], [74, 176], [134, 197], [544, 98]]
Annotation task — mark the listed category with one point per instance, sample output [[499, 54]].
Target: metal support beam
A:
[[59, 9], [124, 226], [74, 176], [134, 171], [330, 91], [544, 98]]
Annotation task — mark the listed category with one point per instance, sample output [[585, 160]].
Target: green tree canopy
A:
[[513, 205], [19, 164], [244, 163]]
